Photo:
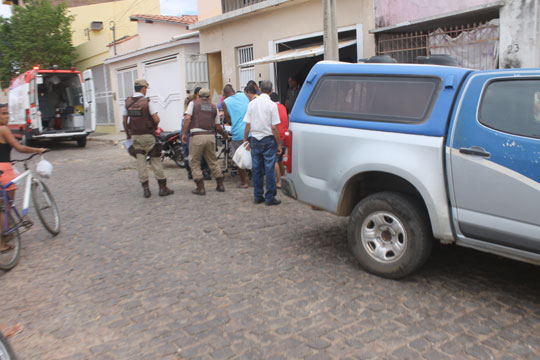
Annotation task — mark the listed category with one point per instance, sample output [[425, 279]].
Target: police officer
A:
[[202, 122], [143, 121]]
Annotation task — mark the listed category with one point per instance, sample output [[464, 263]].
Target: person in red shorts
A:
[[7, 142], [283, 126]]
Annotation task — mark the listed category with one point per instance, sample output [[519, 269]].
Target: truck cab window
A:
[[512, 106]]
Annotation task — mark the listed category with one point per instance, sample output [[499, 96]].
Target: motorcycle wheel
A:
[[178, 155]]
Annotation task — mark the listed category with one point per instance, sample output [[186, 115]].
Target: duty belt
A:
[[209, 132]]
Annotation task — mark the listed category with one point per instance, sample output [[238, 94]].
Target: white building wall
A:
[[140, 62], [519, 34]]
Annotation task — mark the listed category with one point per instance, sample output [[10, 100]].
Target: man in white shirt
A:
[[262, 119]]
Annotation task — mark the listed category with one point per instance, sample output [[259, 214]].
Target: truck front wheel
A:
[[81, 142], [389, 234]]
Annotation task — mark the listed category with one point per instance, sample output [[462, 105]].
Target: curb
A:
[[105, 140]]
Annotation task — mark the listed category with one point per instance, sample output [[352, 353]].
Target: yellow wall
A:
[[208, 8], [94, 51], [294, 18], [215, 73]]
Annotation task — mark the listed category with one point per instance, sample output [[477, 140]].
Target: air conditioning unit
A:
[[96, 25]]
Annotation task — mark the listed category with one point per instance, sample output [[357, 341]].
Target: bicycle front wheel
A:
[[10, 256], [6, 352], [45, 207]]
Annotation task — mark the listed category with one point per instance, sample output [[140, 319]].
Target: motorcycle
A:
[[171, 146]]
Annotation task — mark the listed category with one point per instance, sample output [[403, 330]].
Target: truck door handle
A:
[[475, 150]]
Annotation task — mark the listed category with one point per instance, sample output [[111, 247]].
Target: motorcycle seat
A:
[[165, 135]]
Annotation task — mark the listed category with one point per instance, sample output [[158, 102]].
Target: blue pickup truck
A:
[[414, 153]]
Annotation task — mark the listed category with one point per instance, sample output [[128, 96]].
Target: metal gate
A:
[[196, 71], [104, 95], [473, 46]]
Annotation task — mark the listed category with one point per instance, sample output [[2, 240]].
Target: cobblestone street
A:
[[217, 277]]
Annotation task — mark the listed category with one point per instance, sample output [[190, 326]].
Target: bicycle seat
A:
[[165, 135]]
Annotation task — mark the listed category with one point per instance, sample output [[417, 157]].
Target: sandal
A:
[[10, 331], [243, 186]]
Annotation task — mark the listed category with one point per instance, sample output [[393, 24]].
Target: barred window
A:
[[245, 55]]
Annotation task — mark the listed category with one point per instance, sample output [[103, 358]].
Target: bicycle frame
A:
[[9, 202]]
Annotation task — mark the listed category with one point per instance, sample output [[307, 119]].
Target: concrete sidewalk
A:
[[113, 139]]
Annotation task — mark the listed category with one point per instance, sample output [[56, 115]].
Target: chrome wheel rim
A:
[[384, 237]]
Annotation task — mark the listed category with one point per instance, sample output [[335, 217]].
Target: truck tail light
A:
[[287, 158], [28, 119]]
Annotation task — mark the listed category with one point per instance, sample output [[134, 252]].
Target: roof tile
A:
[[184, 19]]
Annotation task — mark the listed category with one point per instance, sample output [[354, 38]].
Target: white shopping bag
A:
[[242, 157], [44, 168]]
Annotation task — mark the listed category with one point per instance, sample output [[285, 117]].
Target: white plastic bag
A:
[[128, 143], [44, 168], [242, 157]]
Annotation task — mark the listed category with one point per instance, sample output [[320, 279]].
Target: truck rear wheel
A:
[[81, 142], [389, 234]]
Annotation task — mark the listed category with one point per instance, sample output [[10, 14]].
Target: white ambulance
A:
[[52, 104]]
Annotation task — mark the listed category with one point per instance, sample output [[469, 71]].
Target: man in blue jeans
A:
[[262, 119]]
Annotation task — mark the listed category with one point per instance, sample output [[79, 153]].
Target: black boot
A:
[[220, 186], [163, 189], [146, 189], [188, 168], [200, 188]]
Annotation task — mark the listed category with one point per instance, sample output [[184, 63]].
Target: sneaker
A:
[[274, 201]]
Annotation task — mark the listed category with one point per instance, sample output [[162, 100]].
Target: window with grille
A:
[[125, 82], [245, 55], [231, 5]]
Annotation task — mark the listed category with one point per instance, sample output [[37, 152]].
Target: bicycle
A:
[[6, 352], [13, 221]]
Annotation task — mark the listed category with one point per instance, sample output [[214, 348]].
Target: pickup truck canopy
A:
[[414, 99]]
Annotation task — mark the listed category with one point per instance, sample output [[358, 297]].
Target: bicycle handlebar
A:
[[28, 158]]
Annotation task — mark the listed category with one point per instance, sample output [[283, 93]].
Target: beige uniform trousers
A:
[[199, 146], [145, 143]]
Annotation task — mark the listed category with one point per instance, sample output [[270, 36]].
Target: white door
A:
[[495, 152], [89, 102], [165, 91]]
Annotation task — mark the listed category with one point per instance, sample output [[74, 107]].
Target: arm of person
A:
[[10, 139], [275, 127], [219, 128], [187, 122], [153, 111], [226, 116], [126, 127], [156, 119], [185, 129], [246, 134], [275, 131]]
